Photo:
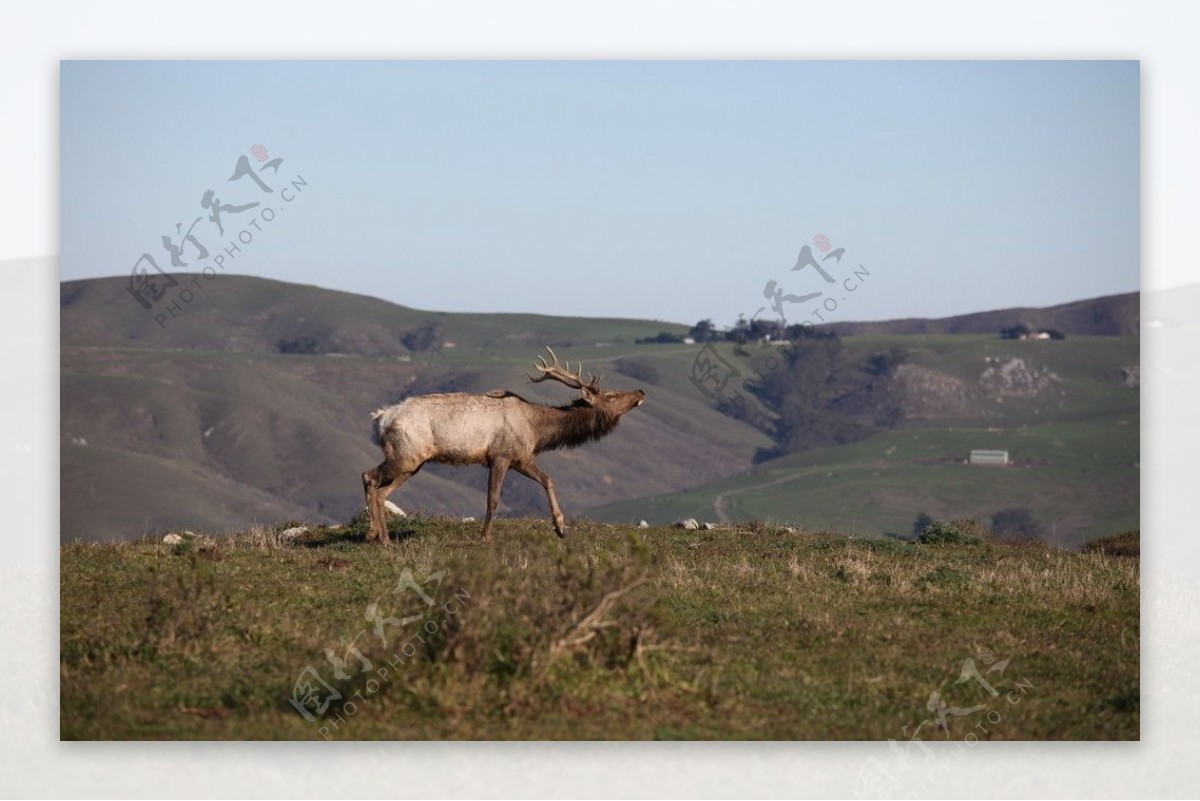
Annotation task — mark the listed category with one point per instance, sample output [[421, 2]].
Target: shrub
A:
[[971, 527], [942, 533]]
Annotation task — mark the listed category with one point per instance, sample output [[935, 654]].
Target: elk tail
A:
[[377, 426]]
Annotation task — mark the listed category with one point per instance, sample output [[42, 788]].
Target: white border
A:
[[35, 37]]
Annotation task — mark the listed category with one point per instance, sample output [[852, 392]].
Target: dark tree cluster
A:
[[426, 337], [663, 338], [300, 345], [744, 331], [822, 397]]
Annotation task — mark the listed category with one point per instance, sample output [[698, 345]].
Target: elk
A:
[[499, 429]]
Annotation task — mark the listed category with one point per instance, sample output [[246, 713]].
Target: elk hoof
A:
[[561, 531]]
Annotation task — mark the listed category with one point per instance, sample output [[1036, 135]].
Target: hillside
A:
[[1067, 412], [205, 424], [253, 404], [244, 314]]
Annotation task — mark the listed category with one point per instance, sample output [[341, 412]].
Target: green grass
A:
[[1080, 479], [754, 632]]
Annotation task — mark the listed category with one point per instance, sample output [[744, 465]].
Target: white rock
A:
[[643, 524], [172, 539], [690, 524], [393, 509], [709, 526], [292, 533], [468, 520]]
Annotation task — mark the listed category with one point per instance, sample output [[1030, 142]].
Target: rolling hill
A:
[[204, 423], [1111, 315], [252, 405]]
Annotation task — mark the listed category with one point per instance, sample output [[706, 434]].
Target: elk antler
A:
[[573, 380]]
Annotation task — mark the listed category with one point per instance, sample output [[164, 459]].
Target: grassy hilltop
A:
[[756, 631]]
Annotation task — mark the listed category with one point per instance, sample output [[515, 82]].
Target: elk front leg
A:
[[531, 470], [495, 482]]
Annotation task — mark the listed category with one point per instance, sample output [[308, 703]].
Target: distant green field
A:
[[1079, 479], [1075, 448], [754, 632]]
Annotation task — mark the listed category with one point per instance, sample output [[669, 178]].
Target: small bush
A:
[[942, 533], [971, 527]]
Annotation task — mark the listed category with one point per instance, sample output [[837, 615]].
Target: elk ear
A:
[[590, 396]]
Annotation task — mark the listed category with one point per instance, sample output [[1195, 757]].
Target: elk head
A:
[[611, 403]]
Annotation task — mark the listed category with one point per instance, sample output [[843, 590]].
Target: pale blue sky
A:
[[671, 190]]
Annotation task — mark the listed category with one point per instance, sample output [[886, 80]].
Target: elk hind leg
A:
[[378, 483]]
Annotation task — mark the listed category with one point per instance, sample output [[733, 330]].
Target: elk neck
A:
[[573, 425]]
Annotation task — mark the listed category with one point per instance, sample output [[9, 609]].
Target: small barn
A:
[[989, 457]]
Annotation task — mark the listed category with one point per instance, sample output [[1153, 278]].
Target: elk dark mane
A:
[[574, 424]]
